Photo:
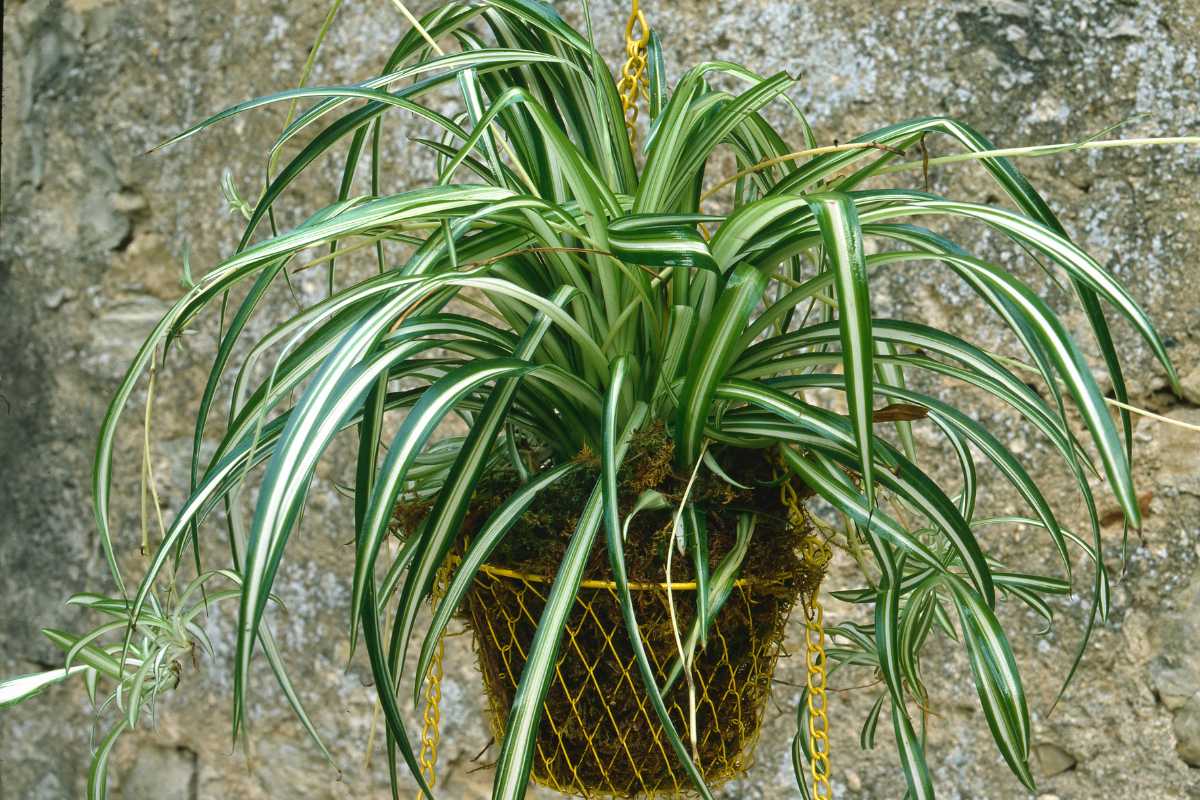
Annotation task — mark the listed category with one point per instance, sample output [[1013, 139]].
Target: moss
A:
[[538, 541], [407, 515]]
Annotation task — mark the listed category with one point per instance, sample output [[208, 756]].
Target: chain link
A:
[[432, 715], [633, 84], [818, 553], [818, 721]]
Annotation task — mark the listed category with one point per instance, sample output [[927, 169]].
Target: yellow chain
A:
[[818, 722], [432, 717], [633, 83], [818, 553]]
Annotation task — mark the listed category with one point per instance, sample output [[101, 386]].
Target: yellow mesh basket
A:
[[599, 735]]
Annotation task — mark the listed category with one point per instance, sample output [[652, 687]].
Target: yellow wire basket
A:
[[599, 735]]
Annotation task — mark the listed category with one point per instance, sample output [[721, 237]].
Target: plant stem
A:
[[1033, 151], [1038, 151], [305, 73], [516, 162], [812, 151], [1143, 412], [1016, 363]]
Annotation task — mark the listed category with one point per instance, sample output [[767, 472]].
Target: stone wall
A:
[[94, 230]]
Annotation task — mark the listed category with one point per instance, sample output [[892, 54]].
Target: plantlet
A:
[[646, 379]]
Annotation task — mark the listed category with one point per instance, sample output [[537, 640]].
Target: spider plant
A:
[[615, 288], [159, 641]]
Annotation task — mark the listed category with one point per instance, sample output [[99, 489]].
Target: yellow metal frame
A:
[[633, 84], [675, 586], [599, 736]]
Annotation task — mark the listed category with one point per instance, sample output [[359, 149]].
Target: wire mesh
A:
[[599, 735]]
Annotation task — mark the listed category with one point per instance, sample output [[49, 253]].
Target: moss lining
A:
[[538, 541]]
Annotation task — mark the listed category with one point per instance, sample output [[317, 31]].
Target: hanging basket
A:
[[599, 735]]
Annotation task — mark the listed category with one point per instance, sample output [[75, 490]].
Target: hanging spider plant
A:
[[612, 297]]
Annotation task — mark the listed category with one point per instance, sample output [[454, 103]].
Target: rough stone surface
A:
[[94, 232], [161, 773], [1187, 732]]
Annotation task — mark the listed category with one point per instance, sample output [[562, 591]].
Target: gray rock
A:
[[91, 85], [1187, 732], [1049, 760], [1191, 386], [1175, 638], [56, 298], [160, 773], [1175, 674]]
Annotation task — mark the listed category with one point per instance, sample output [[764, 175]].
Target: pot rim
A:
[[677, 586]]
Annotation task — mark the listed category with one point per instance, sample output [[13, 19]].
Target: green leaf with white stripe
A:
[[997, 680], [520, 736], [837, 219], [97, 779], [711, 358], [22, 687], [490, 535], [720, 586], [609, 465], [662, 240], [446, 516]]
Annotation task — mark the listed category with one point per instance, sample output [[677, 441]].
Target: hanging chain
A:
[[633, 83], [818, 722], [817, 553], [432, 717]]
